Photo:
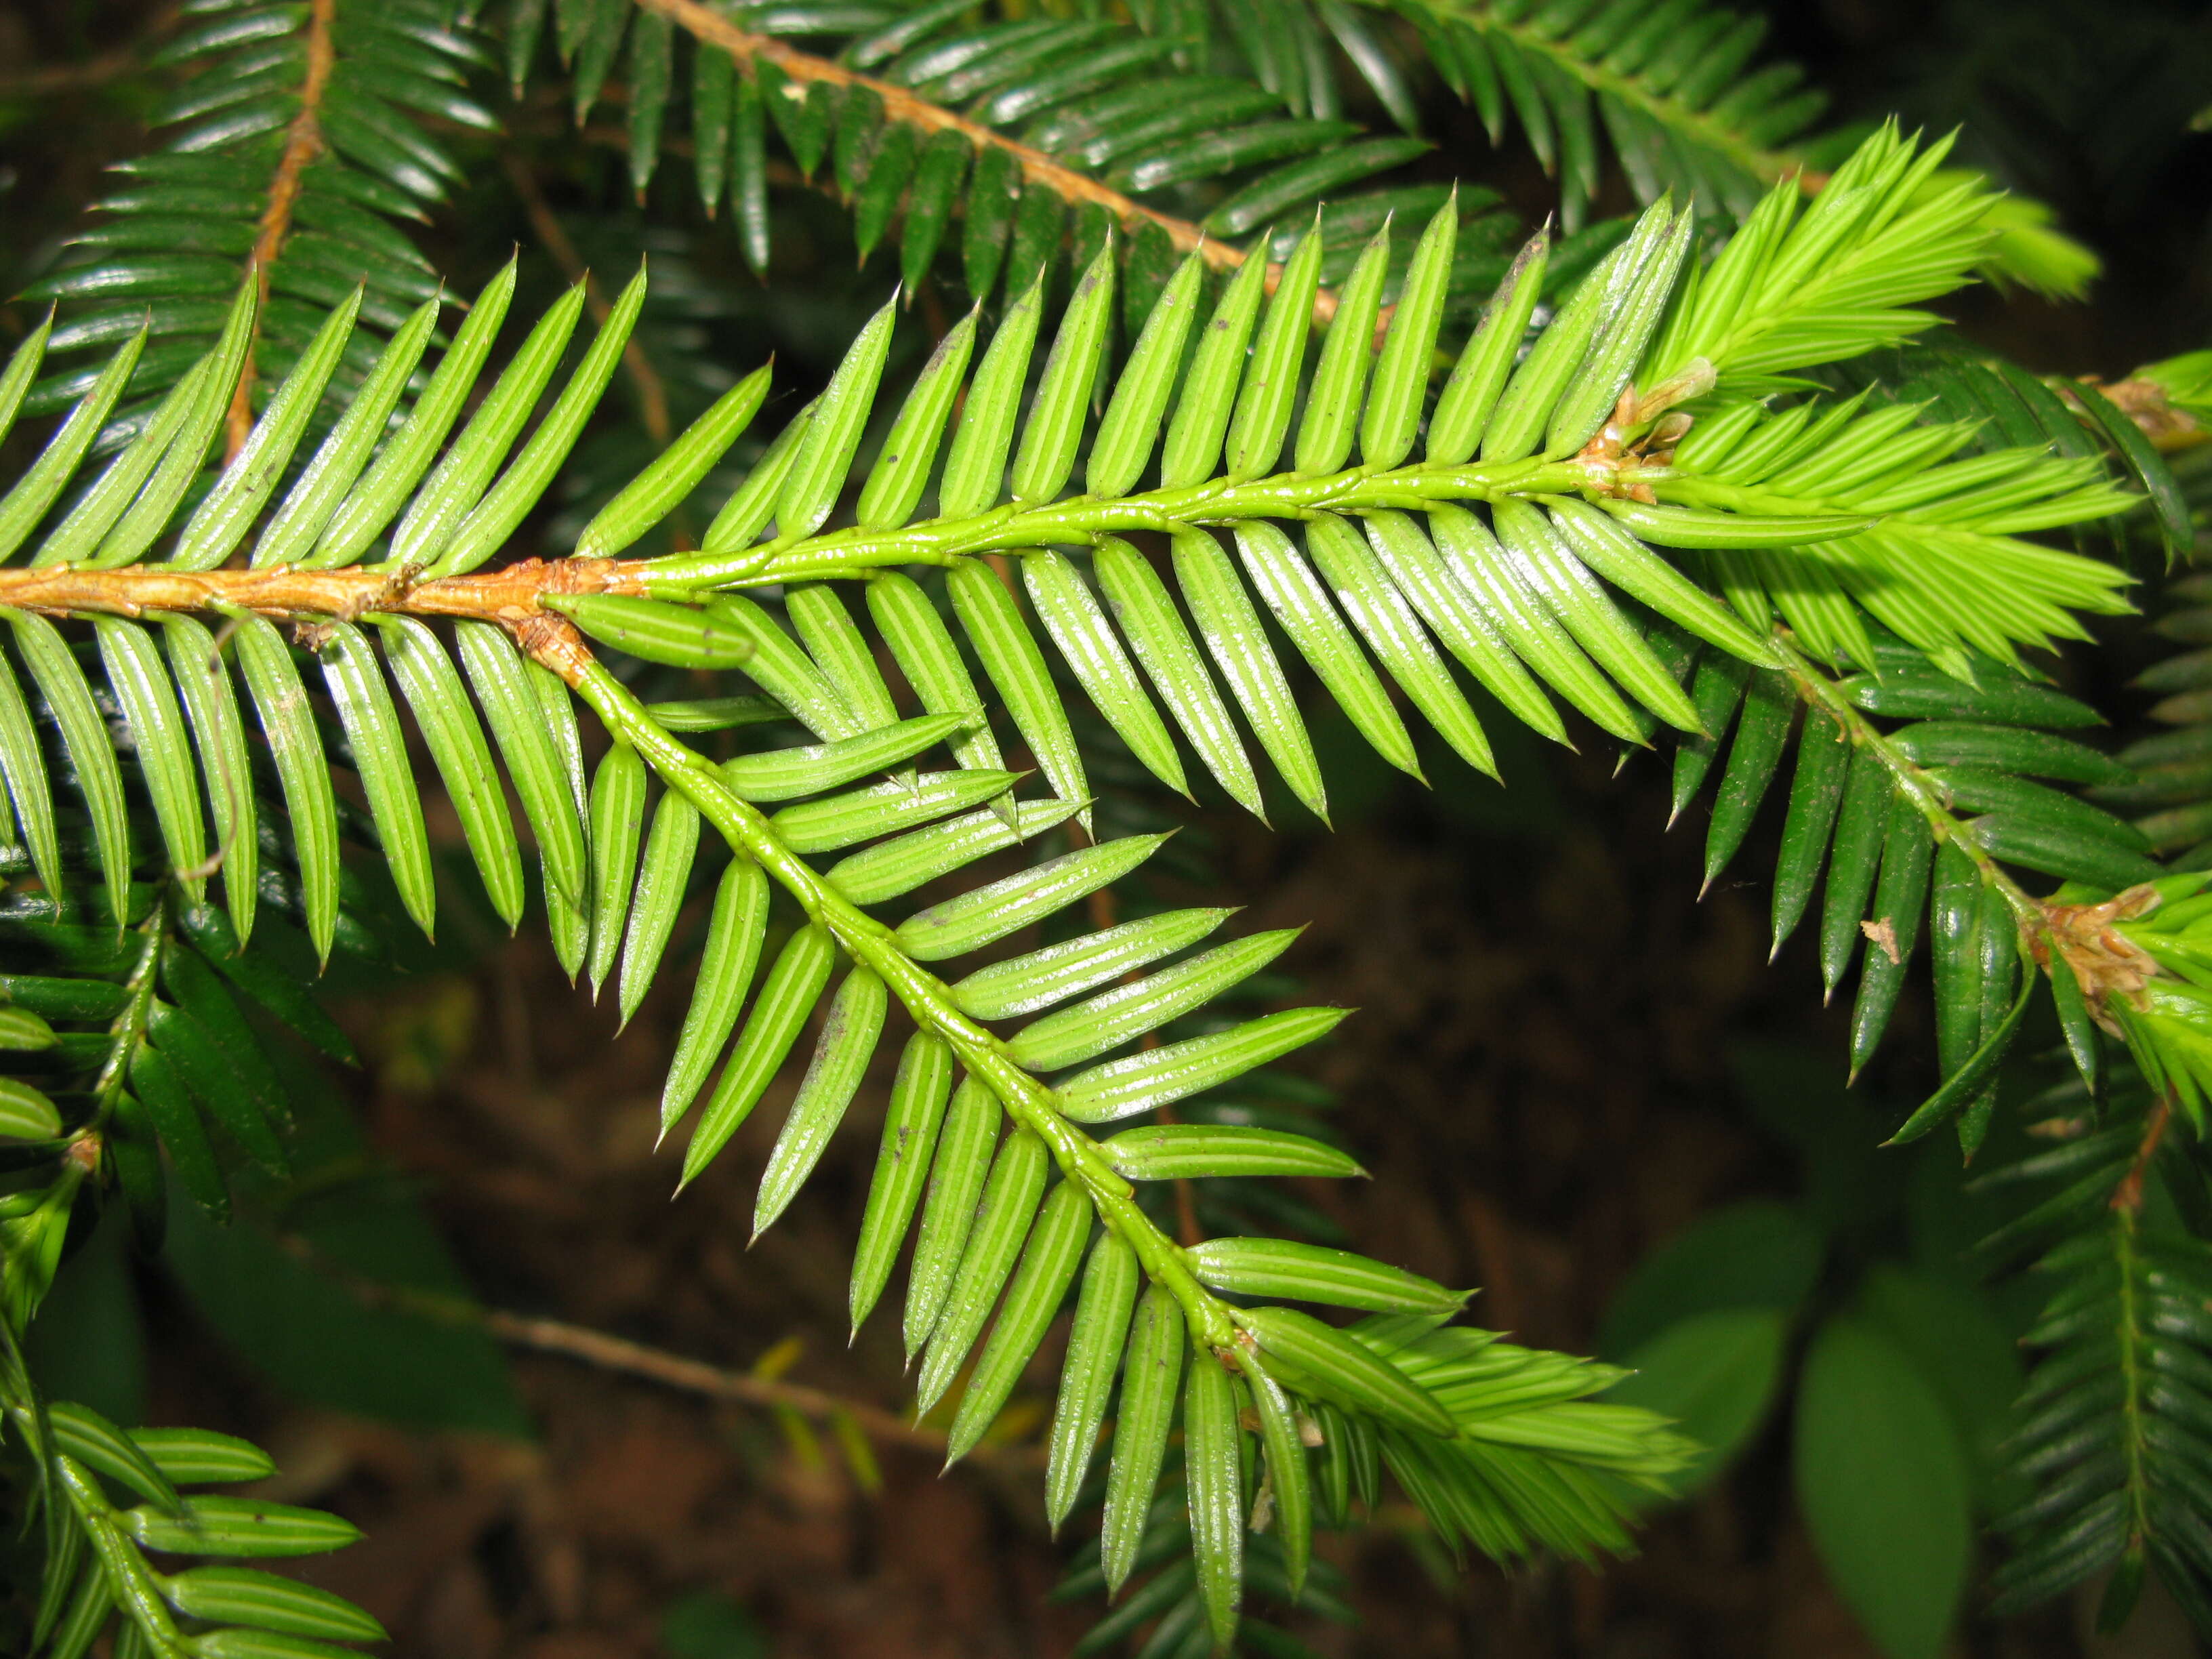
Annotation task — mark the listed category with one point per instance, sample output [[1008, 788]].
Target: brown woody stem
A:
[[899, 105], [2127, 1198], [303, 139], [618, 1354], [509, 595], [625, 1358]]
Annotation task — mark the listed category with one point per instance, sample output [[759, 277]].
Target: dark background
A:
[[1563, 1054]]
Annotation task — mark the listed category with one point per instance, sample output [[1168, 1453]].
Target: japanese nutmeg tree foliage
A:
[[1227, 403]]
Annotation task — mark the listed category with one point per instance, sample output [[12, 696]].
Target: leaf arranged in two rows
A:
[[178, 697], [161, 1008], [1528, 1465], [2113, 1415], [179, 228], [1860, 837], [1118, 102], [108, 1584]]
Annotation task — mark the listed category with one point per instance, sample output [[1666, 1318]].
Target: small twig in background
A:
[[627, 1359], [50, 80], [652, 395]]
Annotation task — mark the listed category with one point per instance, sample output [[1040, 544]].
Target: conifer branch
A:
[[1614, 516], [1911, 781], [901, 105], [1027, 1102], [1580, 59]]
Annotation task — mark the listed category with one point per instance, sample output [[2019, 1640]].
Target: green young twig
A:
[[131, 1024], [926, 998], [1910, 780], [1082, 519]]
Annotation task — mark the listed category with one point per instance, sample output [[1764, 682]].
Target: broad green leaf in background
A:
[[1761, 1253], [87, 1343], [1716, 1375], [708, 1625], [1884, 1485], [1963, 1351], [312, 1334], [1850, 1183]]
